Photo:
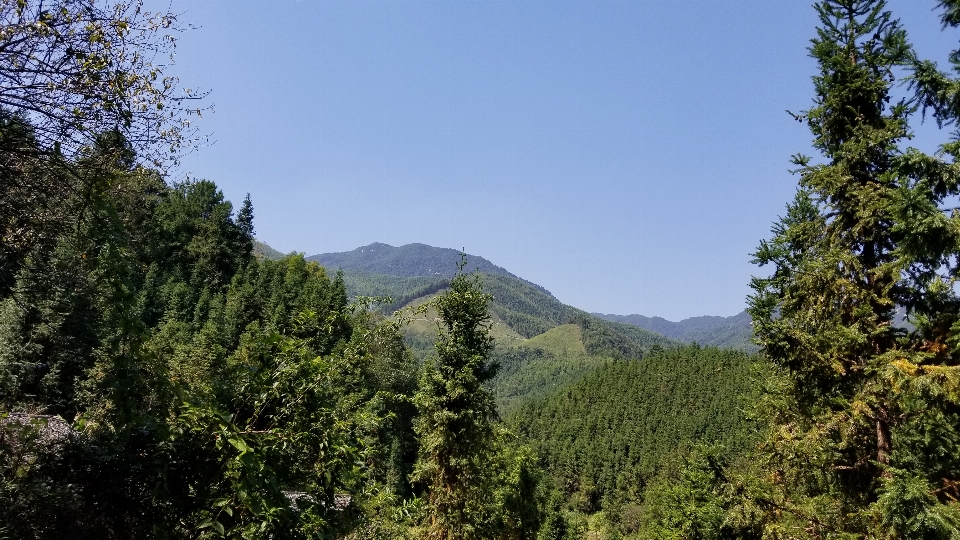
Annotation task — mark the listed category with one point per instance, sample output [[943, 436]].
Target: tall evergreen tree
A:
[[456, 412], [245, 224], [866, 427]]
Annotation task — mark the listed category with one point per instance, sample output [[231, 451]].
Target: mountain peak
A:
[[407, 260], [374, 247]]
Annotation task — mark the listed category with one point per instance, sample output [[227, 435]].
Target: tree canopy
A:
[[863, 422], [75, 69]]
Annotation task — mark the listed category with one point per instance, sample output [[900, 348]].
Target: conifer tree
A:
[[866, 439], [456, 411], [245, 228]]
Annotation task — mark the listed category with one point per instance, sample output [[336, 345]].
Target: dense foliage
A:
[[607, 435], [234, 382], [869, 409], [540, 366]]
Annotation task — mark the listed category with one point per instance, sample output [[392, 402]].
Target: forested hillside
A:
[[639, 415], [389, 292], [540, 365], [408, 273]]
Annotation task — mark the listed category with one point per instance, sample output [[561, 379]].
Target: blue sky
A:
[[626, 155]]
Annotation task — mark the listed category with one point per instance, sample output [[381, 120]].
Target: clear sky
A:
[[626, 155]]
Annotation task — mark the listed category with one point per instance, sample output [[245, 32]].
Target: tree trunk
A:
[[883, 442]]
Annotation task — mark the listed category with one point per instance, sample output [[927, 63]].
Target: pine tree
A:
[[245, 228], [454, 427], [866, 426]]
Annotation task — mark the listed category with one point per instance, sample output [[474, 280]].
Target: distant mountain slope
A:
[[262, 250], [542, 343], [540, 365], [525, 309], [408, 260], [401, 289], [732, 332], [408, 274]]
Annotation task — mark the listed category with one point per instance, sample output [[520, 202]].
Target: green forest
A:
[[164, 374]]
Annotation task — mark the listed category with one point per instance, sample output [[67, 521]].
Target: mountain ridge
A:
[[412, 260], [733, 332]]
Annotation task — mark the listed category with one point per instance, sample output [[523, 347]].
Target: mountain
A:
[[405, 261], [732, 332], [414, 271], [407, 274]]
